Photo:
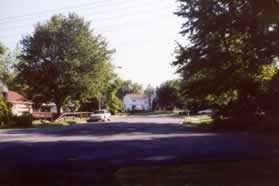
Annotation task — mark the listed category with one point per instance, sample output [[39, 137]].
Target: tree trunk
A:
[[58, 109]]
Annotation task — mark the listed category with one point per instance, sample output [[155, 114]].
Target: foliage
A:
[[21, 121], [63, 59], [128, 87], [114, 104], [8, 73], [149, 91], [233, 50], [89, 105], [168, 95], [5, 112], [72, 106], [2, 48]]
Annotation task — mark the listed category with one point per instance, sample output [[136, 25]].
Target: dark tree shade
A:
[[231, 44], [168, 95]]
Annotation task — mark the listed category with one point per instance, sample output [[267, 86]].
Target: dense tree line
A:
[[230, 61]]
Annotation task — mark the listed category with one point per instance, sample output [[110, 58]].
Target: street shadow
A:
[[112, 128], [90, 154]]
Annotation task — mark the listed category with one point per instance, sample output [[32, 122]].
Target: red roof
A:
[[14, 97], [137, 96]]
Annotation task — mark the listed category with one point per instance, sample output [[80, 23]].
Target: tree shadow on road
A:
[[89, 154]]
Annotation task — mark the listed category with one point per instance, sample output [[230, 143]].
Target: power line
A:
[[124, 24], [51, 10], [42, 14], [150, 12], [76, 8], [155, 10]]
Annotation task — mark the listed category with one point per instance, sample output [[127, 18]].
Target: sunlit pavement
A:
[[92, 151]]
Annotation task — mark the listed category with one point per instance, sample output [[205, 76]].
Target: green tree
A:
[[168, 95], [149, 91], [8, 73], [2, 49], [114, 104], [64, 60], [5, 113], [128, 87], [232, 46]]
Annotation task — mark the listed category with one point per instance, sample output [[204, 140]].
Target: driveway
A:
[[91, 151]]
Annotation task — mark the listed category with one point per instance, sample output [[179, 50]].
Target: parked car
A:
[[100, 115], [206, 111]]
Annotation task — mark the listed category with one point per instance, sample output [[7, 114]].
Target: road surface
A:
[[89, 153]]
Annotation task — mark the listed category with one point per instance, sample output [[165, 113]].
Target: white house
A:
[[47, 107], [137, 102], [19, 104]]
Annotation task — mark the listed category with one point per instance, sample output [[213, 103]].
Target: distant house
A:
[[137, 102], [47, 107], [19, 104]]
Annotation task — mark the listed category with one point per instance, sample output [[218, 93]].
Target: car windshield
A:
[[99, 112]]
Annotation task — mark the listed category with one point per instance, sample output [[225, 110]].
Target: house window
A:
[[134, 100]]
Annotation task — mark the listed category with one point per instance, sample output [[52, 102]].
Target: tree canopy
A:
[[169, 96], [129, 87], [64, 60], [8, 73], [231, 53]]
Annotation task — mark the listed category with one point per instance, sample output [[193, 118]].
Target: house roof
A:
[[14, 97], [136, 96]]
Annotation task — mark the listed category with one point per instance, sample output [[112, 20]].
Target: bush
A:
[[21, 121], [115, 105], [5, 113]]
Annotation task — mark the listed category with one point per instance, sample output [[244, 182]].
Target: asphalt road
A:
[[90, 153]]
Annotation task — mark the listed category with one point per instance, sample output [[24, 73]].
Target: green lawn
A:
[[233, 173], [198, 120], [65, 122]]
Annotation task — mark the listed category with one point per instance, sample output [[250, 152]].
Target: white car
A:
[[207, 111], [100, 115]]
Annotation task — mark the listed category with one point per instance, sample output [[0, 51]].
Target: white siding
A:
[[129, 103], [20, 109]]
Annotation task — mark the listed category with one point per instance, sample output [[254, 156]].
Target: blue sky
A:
[[143, 32]]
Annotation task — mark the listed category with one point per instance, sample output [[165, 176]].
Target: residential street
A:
[[91, 152]]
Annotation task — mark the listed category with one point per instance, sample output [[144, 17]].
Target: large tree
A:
[[64, 60], [8, 73], [113, 103], [231, 51], [169, 96]]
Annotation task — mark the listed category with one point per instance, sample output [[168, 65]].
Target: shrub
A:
[[21, 121], [115, 105], [5, 113]]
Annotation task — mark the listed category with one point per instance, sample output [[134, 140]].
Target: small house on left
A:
[[19, 104]]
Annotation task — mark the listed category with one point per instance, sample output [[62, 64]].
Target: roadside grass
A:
[[267, 126], [229, 173], [66, 122], [198, 121]]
